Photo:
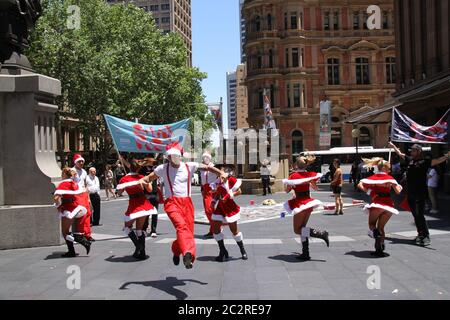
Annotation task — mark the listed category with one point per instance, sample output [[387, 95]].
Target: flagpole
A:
[[115, 145], [390, 134]]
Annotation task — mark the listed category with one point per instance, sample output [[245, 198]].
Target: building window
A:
[[288, 92], [270, 58], [390, 70], [295, 58], [287, 57], [297, 143], [362, 71], [285, 21], [165, 20], [364, 138], [260, 99], [297, 95], [154, 7], [259, 61], [165, 6], [385, 20], [356, 25], [269, 22], [336, 20], [365, 18], [333, 71], [326, 21], [257, 24], [294, 25]]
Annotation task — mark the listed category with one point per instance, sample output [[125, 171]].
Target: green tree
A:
[[117, 62]]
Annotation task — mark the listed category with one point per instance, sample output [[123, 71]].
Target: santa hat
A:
[[77, 157], [174, 149], [207, 154]]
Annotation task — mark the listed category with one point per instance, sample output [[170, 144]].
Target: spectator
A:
[[433, 183], [119, 173], [93, 186], [336, 186], [265, 176], [355, 176], [109, 179]]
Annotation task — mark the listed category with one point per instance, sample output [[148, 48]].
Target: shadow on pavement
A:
[[125, 259], [292, 258], [406, 241], [366, 254], [213, 259], [58, 255], [168, 285]]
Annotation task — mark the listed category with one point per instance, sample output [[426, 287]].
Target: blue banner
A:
[[143, 138]]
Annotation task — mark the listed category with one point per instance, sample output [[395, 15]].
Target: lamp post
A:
[[356, 133]]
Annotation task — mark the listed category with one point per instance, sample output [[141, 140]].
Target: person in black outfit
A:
[[148, 165], [416, 180]]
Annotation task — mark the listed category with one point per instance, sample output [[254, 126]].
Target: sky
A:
[[215, 43]]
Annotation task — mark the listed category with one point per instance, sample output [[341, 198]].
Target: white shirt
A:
[[81, 177], [265, 171], [93, 184], [208, 177], [178, 178], [434, 180]]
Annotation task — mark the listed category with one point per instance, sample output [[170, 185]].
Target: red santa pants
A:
[[84, 223], [207, 199], [181, 213]]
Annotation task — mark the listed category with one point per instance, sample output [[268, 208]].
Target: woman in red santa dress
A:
[[226, 211], [69, 209], [139, 208], [302, 205], [382, 207]]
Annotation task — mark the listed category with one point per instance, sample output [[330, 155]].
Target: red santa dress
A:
[[302, 201], [380, 195], [69, 206], [227, 211], [138, 205]]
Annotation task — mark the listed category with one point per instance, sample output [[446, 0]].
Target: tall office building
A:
[[242, 30], [231, 97], [237, 108], [170, 16]]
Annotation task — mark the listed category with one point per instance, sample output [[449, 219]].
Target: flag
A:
[[405, 129], [269, 123], [143, 138]]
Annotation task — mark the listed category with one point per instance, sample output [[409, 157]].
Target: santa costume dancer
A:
[[381, 209], [207, 178], [227, 211], [69, 209], [83, 199], [139, 208], [178, 204], [302, 205]]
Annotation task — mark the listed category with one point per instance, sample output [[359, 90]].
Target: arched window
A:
[[362, 71], [297, 142], [365, 138]]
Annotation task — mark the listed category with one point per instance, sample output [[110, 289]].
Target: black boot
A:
[[176, 260], [81, 239], [135, 240], [223, 253], [241, 247], [315, 233], [379, 247], [142, 255], [71, 253], [305, 251]]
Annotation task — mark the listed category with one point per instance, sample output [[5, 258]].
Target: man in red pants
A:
[[178, 204], [207, 178], [84, 224]]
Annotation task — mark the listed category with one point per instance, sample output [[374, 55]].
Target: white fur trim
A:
[[367, 207], [220, 218], [239, 237], [70, 238], [127, 184], [79, 159], [313, 204], [219, 236], [139, 214], [237, 185], [78, 212], [71, 192], [301, 181], [375, 182]]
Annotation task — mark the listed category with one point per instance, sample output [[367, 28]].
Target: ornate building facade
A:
[[305, 51]]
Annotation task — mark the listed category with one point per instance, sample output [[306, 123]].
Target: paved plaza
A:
[[272, 272]]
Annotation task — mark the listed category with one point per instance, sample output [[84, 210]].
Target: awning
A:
[[377, 116]]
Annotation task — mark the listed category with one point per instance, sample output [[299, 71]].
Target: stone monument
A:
[[28, 168]]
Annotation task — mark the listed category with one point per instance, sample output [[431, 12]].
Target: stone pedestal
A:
[[28, 168]]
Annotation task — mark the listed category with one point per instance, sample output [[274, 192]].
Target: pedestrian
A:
[[207, 194], [109, 182], [302, 204], [93, 186], [69, 210], [354, 174], [416, 180], [433, 183], [83, 198], [119, 173], [226, 211], [139, 208], [178, 204], [336, 186], [265, 172], [382, 207], [147, 167]]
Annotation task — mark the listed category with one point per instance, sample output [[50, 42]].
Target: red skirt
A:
[[71, 210], [139, 207], [298, 205], [227, 212], [386, 204]]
